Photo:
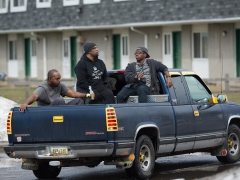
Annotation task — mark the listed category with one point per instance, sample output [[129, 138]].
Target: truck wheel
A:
[[233, 150], [45, 171], [144, 162]]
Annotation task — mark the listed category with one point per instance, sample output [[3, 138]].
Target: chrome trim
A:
[[167, 141], [75, 151], [208, 136], [146, 126], [229, 120], [209, 143], [165, 148], [183, 139], [184, 146]]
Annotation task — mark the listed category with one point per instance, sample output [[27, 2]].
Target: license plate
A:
[[57, 151]]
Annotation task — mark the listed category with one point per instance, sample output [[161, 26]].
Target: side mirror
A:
[[222, 98]]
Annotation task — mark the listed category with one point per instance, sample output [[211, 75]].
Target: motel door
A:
[[116, 52], [177, 55]]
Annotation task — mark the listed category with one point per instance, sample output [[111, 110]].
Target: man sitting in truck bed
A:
[[141, 77], [50, 91]]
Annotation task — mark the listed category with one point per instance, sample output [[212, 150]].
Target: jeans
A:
[[140, 89], [60, 101]]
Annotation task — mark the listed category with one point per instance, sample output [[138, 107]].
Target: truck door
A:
[[183, 113], [209, 124]]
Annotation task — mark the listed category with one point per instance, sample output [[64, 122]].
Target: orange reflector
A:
[[111, 119], [9, 123], [131, 157]]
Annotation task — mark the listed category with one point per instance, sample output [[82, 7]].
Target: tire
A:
[[45, 171], [144, 162], [233, 142]]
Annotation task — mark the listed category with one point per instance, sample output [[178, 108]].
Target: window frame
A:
[[70, 2], [18, 8], [5, 9], [200, 45], [12, 53], [43, 4], [120, 0], [89, 1]]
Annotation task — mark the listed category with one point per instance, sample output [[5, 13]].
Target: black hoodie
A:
[[90, 73]]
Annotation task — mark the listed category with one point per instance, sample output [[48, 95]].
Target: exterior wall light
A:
[[157, 36], [105, 38], [224, 33]]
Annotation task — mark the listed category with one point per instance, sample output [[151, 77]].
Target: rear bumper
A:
[[75, 150]]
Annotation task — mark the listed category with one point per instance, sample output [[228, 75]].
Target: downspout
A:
[[44, 54], [145, 36]]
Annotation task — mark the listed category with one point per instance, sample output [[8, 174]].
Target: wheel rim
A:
[[145, 157], [233, 144]]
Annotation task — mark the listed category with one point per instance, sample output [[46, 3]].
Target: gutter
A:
[[129, 25], [44, 54], [145, 36]]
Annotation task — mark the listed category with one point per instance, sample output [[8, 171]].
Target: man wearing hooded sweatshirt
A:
[[92, 72]]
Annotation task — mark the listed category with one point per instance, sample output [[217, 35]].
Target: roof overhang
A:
[[128, 25]]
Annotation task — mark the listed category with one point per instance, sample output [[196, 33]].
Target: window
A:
[[43, 3], [167, 44], [18, 5], [12, 50], [70, 2], [65, 48], [91, 1], [33, 50], [124, 45], [200, 42], [3, 6], [198, 91]]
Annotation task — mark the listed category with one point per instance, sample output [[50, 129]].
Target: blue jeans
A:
[[142, 90], [60, 101]]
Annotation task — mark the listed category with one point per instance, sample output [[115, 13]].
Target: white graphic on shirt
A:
[[96, 73]]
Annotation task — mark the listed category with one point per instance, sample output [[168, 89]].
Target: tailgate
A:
[[59, 123]]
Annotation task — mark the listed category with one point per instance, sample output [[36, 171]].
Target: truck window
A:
[[177, 91], [199, 93]]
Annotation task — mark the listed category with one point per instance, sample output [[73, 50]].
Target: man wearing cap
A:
[[141, 77], [92, 72]]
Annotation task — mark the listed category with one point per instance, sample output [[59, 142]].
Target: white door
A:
[[167, 50], [33, 58], [66, 63]]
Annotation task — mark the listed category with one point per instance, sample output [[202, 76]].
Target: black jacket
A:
[[90, 73], [155, 66]]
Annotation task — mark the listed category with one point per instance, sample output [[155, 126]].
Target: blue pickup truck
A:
[[185, 118]]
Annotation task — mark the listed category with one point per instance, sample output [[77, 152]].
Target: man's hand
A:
[[92, 95], [139, 76], [23, 107]]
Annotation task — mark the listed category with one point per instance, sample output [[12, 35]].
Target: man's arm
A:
[[29, 101], [74, 94], [163, 68], [169, 79]]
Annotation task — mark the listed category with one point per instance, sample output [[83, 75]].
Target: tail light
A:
[[111, 119], [9, 123]]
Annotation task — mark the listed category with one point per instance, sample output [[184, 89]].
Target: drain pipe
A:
[[145, 36], [44, 54]]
